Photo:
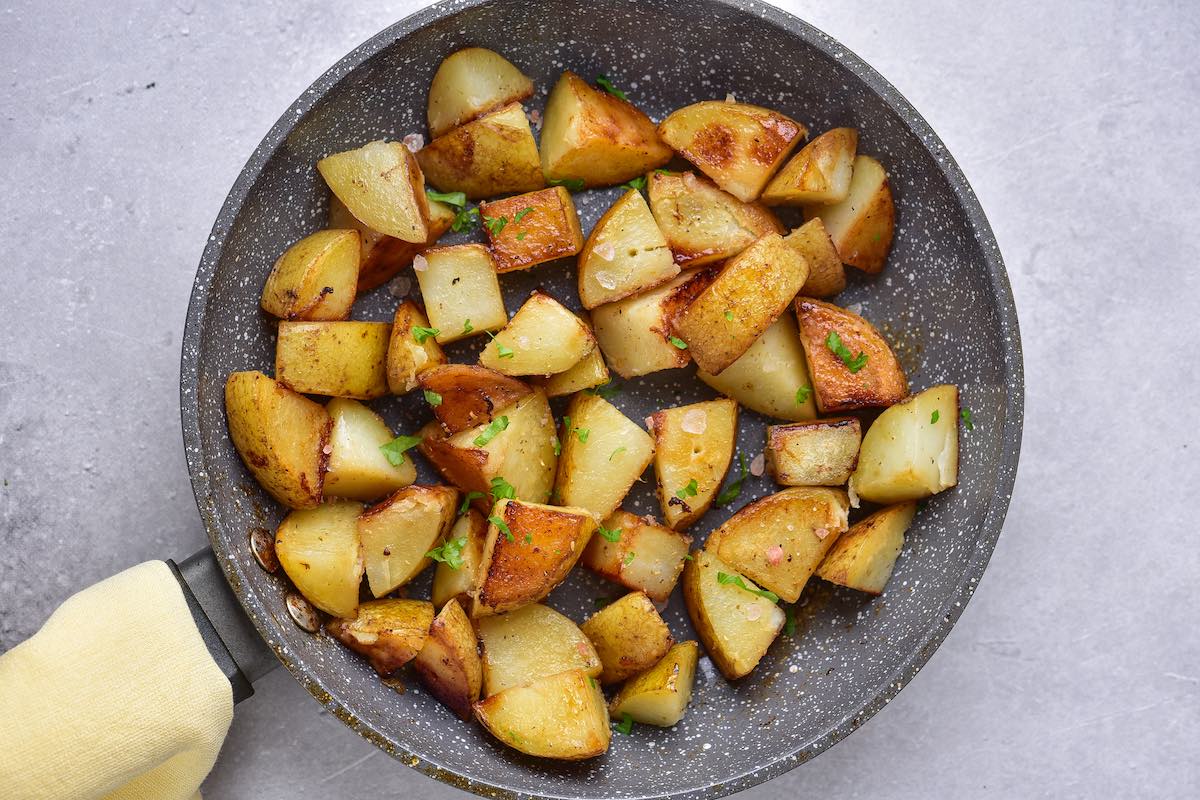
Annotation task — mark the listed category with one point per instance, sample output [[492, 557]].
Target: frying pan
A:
[[943, 300]]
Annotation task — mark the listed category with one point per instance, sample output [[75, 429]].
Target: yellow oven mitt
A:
[[115, 697]]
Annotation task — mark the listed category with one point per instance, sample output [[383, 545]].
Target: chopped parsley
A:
[[495, 225], [853, 362], [467, 326], [637, 183], [933, 418], [605, 390], [449, 553], [520, 235], [456, 199], [502, 490], [557, 447], [609, 534], [729, 315], [433, 398], [520, 215], [689, 490], [396, 448], [421, 334], [572, 184], [689, 557], [731, 492], [466, 502], [629, 557], [464, 218], [592, 682], [724, 578], [616, 452], [677, 342], [604, 83], [529, 538], [583, 433], [502, 526], [467, 219], [802, 395], [503, 351], [494, 427], [789, 625], [601, 602], [966, 418], [625, 726]]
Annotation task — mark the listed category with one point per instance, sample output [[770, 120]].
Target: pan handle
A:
[[231, 639]]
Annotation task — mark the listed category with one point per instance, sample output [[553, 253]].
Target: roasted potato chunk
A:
[[471, 395], [381, 185], [542, 338], [693, 447], [319, 550], [490, 156], [398, 533], [862, 225], [638, 553], [735, 624], [390, 633], [314, 279], [411, 350], [821, 452], [533, 642], [358, 469], [864, 556], [592, 136], [911, 450], [852, 365], [772, 376], [381, 256], [562, 716], [819, 173], [338, 359], [588, 373], [461, 291], [603, 453], [532, 228], [471, 82], [625, 254], [455, 574], [449, 663], [659, 696], [738, 145], [826, 275], [629, 636]]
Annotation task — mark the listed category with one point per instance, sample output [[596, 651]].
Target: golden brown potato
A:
[[542, 338], [449, 663], [454, 577], [629, 636], [752, 290], [592, 136], [821, 452], [638, 553], [490, 156], [319, 550], [603, 453], [382, 256], [390, 633], [659, 696], [826, 275], [625, 254], [281, 436], [779, 540], [381, 185], [819, 173], [533, 642], [471, 395], [338, 359], [702, 223], [562, 716], [911, 450], [532, 228], [772, 376], [315, 279], [471, 82], [693, 447], [461, 291], [852, 365], [862, 225], [411, 350], [358, 469], [735, 624], [398, 533], [588, 373], [530, 548], [738, 145], [864, 556]]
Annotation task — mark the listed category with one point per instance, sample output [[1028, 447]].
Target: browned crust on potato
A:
[[880, 383], [471, 394]]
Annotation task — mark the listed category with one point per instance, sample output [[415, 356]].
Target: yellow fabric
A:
[[116, 697]]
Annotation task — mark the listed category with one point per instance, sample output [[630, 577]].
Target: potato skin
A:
[[629, 636], [337, 359], [449, 663], [470, 82], [826, 274], [864, 556], [822, 452], [563, 716], [490, 156], [819, 173], [471, 394], [315, 278], [880, 383], [381, 256], [319, 550], [389, 633], [548, 228], [862, 225], [382, 186]]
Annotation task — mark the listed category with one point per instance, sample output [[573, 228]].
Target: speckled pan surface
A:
[[944, 301]]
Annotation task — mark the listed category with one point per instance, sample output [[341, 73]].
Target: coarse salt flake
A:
[[400, 286], [419, 263], [821, 532], [414, 142], [695, 420], [606, 251], [758, 465], [774, 554]]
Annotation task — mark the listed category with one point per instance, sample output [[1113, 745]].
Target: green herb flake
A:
[[504, 351], [433, 398], [528, 538], [494, 427], [604, 391], [502, 526], [729, 316], [629, 557], [689, 490], [466, 501], [689, 557], [456, 199], [677, 342], [853, 362], [724, 578], [789, 624], [520, 235], [502, 490], [934, 417], [802, 395], [966, 418], [601, 602], [625, 726], [449, 553], [467, 326], [396, 448], [583, 433], [557, 447], [609, 534], [638, 183], [520, 215], [495, 225], [604, 83], [571, 184], [731, 492], [592, 682], [467, 219], [421, 334], [615, 453]]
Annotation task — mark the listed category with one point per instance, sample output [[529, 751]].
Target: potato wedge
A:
[[457, 583], [390, 633], [449, 663], [532, 228], [319, 550], [471, 395], [381, 256], [490, 156], [316, 278], [530, 548], [562, 716], [281, 436], [338, 359], [381, 185], [629, 636], [821, 452], [592, 136], [397, 533], [735, 625], [588, 373], [772, 376], [702, 223], [819, 173], [542, 338], [752, 290], [603, 453], [862, 225], [738, 145], [358, 469], [693, 447], [659, 696], [865, 374], [625, 254], [779, 540], [411, 350], [461, 291], [864, 556], [826, 275], [470, 82], [911, 450], [533, 642], [638, 553]]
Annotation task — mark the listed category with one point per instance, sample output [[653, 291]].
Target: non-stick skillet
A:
[[944, 301]]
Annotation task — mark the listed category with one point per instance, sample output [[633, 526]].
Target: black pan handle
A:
[[232, 640]]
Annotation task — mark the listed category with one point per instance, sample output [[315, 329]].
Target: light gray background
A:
[[1074, 671]]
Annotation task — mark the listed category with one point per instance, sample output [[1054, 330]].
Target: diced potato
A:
[[338, 359], [635, 333], [389, 633], [381, 185], [383, 256], [879, 380], [643, 556], [735, 625], [461, 291], [821, 452], [629, 636], [772, 376], [590, 372], [693, 447], [779, 540], [562, 716], [592, 136], [826, 275], [408, 358], [603, 453], [702, 223], [529, 554], [753, 289], [488, 157], [398, 532], [542, 338], [458, 583], [864, 556], [319, 550], [863, 224], [281, 436], [533, 642], [449, 663], [911, 450], [358, 469], [532, 228], [625, 254], [471, 395], [471, 82], [316, 278], [819, 173], [659, 696], [736, 144]]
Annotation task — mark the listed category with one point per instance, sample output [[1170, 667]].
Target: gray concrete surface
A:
[[1074, 671]]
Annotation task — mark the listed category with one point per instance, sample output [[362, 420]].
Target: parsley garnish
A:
[[966, 418], [601, 602], [557, 447], [592, 682], [502, 490], [604, 83], [572, 184], [449, 553], [677, 342], [520, 235], [467, 219], [395, 449], [729, 315], [456, 199], [464, 218], [689, 490], [433, 398], [421, 334], [610, 534], [503, 351], [467, 326], [605, 390], [802, 395], [629, 557], [489, 433], [933, 418], [495, 225], [614, 453], [730, 492], [466, 502], [529, 538], [725, 578], [582, 433], [789, 624], [520, 215], [502, 526], [625, 726], [689, 557], [638, 183], [853, 362]]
